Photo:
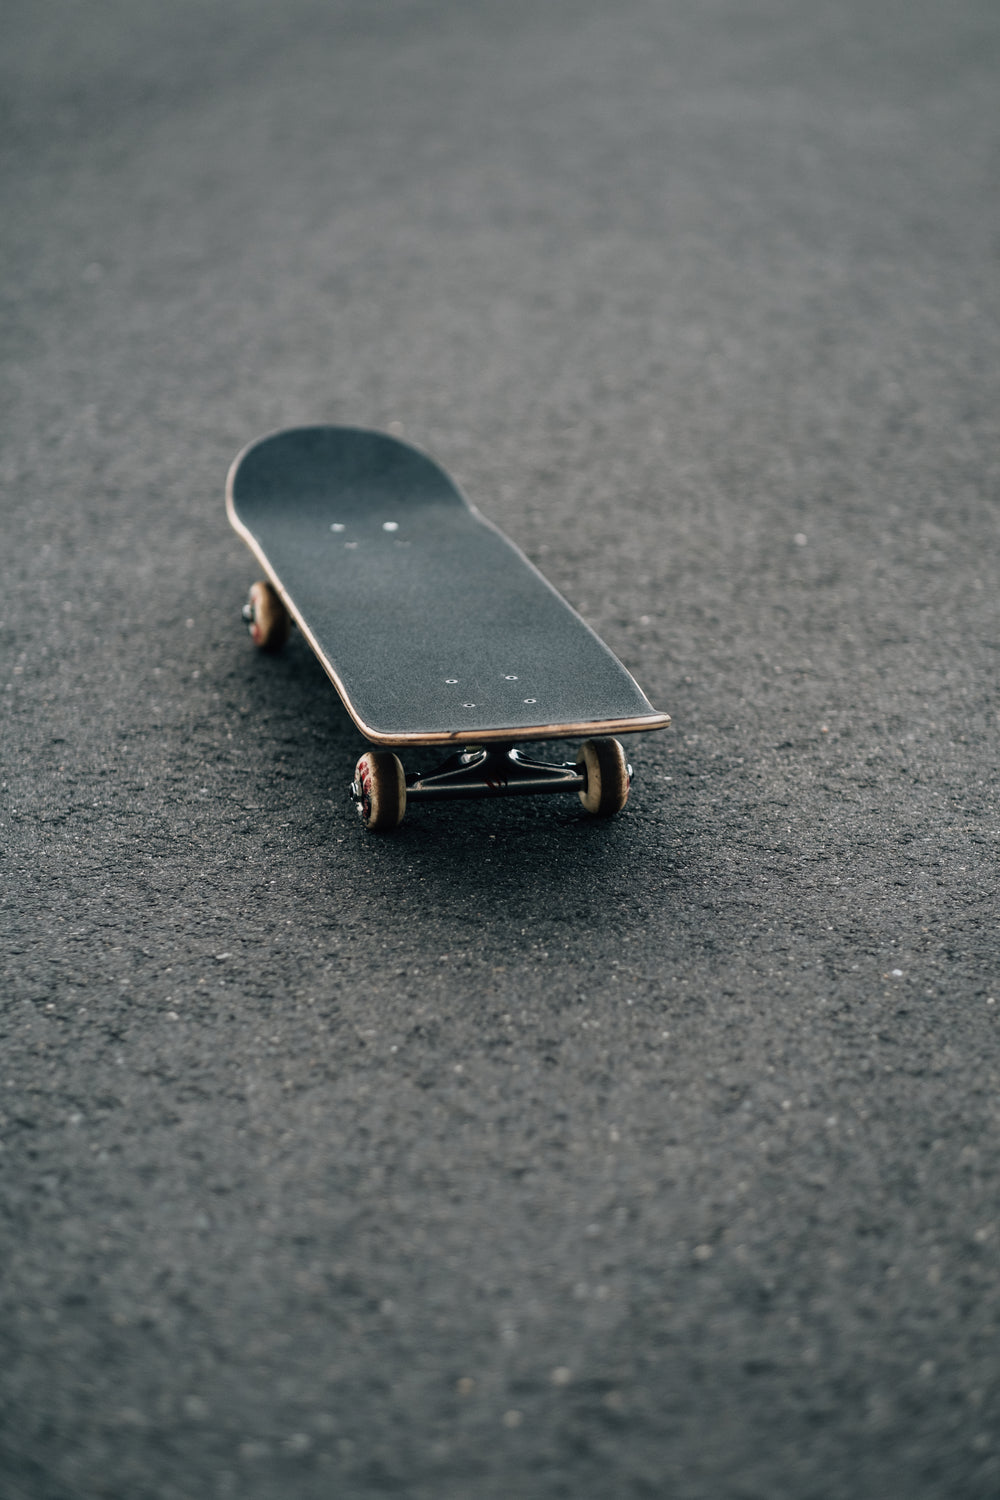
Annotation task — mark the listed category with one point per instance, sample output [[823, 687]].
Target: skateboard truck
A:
[[483, 771], [601, 777]]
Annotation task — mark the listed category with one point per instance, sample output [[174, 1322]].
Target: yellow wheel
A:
[[607, 774], [380, 790], [267, 618]]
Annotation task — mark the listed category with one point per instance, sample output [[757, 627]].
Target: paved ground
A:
[[512, 1156]]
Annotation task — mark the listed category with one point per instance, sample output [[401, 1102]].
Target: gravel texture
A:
[[513, 1155]]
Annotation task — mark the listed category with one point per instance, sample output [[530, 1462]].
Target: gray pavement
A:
[[514, 1155]]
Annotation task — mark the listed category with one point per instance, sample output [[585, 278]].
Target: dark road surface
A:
[[514, 1155]]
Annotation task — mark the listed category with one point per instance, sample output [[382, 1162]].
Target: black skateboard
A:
[[433, 627]]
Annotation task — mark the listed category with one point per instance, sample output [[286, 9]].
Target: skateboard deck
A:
[[433, 627]]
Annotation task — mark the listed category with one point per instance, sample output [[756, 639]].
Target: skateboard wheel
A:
[[603, 764], [380, 790], [267, 618]]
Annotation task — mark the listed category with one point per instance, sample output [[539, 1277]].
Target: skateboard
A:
[[434, 628]]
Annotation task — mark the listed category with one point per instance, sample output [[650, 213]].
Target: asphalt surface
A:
[[513, 1155]]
